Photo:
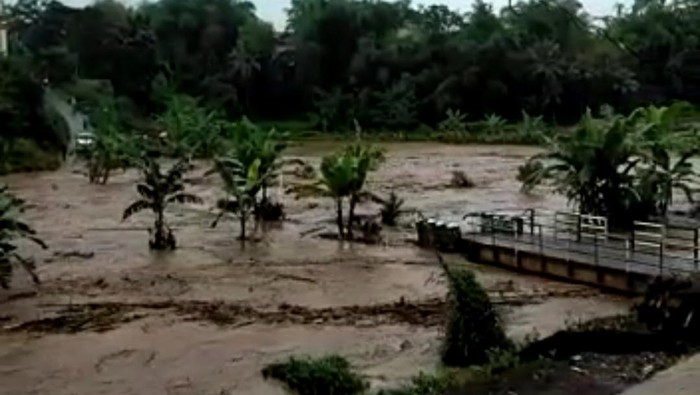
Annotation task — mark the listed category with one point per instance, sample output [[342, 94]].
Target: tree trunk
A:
[[159, 237], [339, 218], [242, 220], [351, 215]]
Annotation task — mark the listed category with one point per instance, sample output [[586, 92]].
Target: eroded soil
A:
[[110, 317]]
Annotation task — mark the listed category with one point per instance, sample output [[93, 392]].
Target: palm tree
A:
[[158, 191], [241, 184], [12, 229]]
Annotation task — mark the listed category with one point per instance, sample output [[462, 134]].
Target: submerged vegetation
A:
[[157, 191], [12, 229]]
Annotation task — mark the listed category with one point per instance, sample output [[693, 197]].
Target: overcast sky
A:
[[273, 10]]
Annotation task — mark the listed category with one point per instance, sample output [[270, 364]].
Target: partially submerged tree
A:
[[190, 129], [364, 158], [251, 143], [343, 175], [108, 147], [12, 230], [158, 190], [241, 184], [392, 208]]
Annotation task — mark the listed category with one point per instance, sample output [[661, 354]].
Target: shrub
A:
[[24, 155], [424, 384], [473, 327], [461, 180], [454, 122], [391, 209], [330, 375]]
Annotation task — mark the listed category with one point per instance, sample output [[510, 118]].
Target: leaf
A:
[[136, 207]]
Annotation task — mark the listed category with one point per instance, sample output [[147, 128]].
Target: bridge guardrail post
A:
[[578, 228], [661, 257], [595, 248], [695, 249]]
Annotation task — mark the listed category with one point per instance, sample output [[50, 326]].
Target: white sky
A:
[[274, 10]]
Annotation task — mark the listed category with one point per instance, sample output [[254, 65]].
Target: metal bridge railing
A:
[[648, 247]]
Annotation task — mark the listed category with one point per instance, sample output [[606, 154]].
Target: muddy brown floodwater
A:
[[112, 318]]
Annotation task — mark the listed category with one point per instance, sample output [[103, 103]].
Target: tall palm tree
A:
[[11, 230], [157, 192]]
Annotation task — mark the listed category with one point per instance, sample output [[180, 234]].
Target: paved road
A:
[[680, 379]]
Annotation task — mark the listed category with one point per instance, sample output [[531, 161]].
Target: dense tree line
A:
[[386, 65]]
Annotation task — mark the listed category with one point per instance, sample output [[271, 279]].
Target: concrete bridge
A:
[[570, 246]]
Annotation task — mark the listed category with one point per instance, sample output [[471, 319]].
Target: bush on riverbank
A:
[[332, 375], [23, 155], [474, 328]]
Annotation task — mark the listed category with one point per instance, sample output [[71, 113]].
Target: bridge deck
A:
[[605, 253]]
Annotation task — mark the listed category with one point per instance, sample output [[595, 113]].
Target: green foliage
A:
[[11, 230], [424, 384], [454, 123], [619, 167], [158, 190], [494, 123], [331, 375], [241, 184], [343, 175], [190, 129], [473, 330], [25, 155], [251, 143], [110, 148], [392, 208]]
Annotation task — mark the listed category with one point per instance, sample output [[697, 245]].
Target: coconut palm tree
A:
[[157, 191], [241, 184], [11, 230]]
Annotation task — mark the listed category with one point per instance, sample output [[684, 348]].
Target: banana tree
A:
[[593, 167], [11, 230], [241, 184], [364, 158], [157, 191], [252, 143]]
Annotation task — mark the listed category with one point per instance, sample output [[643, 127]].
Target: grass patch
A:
[[329, 375]]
